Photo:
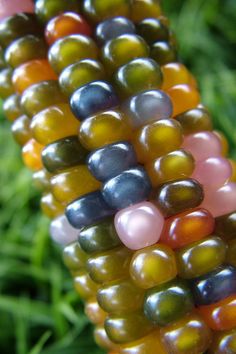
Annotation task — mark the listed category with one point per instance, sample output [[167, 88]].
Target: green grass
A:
[[39, 311]]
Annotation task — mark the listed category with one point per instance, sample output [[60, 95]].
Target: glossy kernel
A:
[[141, 9], [195, 120], [50, 206], [41, 96], [63, 154], [139, 226], [179, 196], [87, 210], [215, 286], [73, 183], [100, 10], [224, 343], [226, 226], [41, 180], [168, 303], [71, 49], [12, 108], [110, 265], [150, 141], [202, 145], [102, 340], [175, 74], [163, 52], [129, 78], [54, 123], [74, 257], [172, 166], [64, 25], [32, 73], [46, 9], [187, 227], [184, 98], [99, 237], [152, 30], [31, 154], [188, 335], [62, 232], [112, 28], [130, 187], [152, 266], [134, 326], [212, 173], [200, 257], [104, 128], [147, 107], [17, 26], [121, 296], [21, 130], [95, 97], [111, 160], [6, 86], [94, 312], [25, 49], [84, 285], [220, 315], [221, 201], [80, 74], [122, 49]]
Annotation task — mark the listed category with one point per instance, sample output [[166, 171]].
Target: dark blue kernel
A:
[[88, 210], [112, 28], [111, 160], [92, 98], [214, 286], [130, 187]]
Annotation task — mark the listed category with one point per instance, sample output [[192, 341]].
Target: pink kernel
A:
[[139, 225]]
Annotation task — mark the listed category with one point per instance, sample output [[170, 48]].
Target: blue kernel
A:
[[214, 286], [87, 210], [112, 28], [92, 98], [111, 160], [130, 187]]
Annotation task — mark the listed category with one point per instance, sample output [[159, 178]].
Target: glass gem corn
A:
[[137, 184]]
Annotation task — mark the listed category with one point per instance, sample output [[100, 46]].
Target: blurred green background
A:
[[39, 311]]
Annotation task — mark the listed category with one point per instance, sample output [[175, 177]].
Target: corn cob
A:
[[154, 200]]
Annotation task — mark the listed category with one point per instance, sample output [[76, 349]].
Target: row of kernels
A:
[[75, 259], [19, 55], [70, 179], [20, 51], [107, 263]]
